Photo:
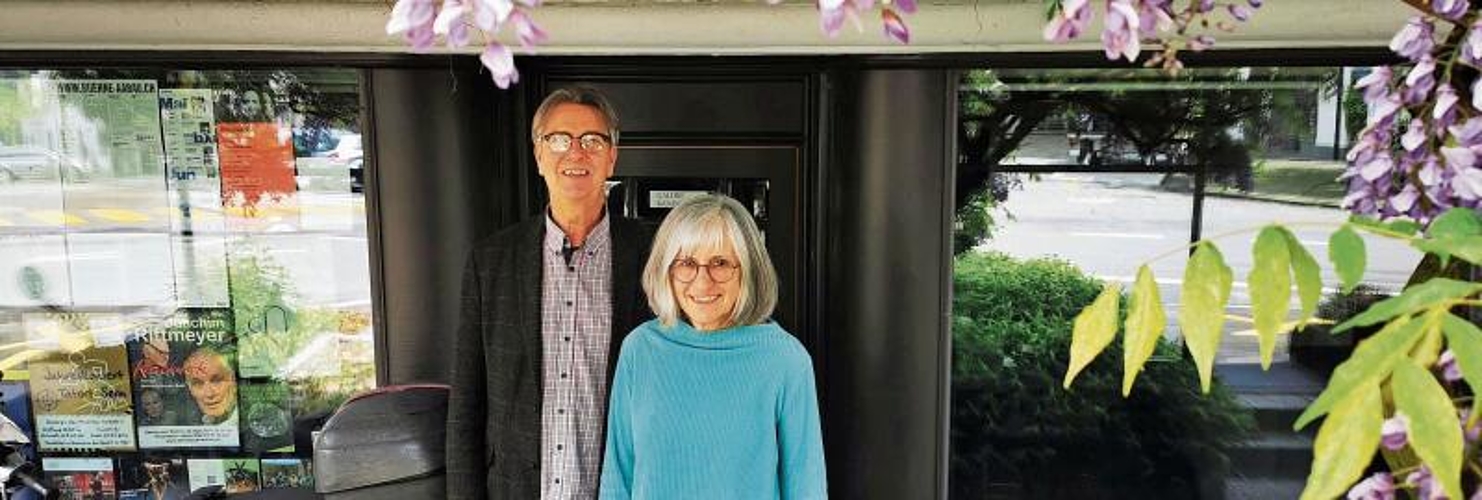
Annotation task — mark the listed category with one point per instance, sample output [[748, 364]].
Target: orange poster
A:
[[258, 188]]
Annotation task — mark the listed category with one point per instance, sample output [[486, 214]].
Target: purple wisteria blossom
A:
[[1420, 81], [1445, 111], [1396, 433], [1450, 9], [1471, 47], [1450, 370], [1380, 486], [1132, 25], [1120, 36], [1427, 486], [1068, 22], [895, 28], [1416, 39], [1376, 83]]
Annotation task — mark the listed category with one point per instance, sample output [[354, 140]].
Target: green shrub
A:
[[1012, 423]]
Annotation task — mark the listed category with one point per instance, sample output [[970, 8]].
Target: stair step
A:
[[1277, 412], [1248, 488]]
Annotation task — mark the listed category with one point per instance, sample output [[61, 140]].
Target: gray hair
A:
[[576, 94], [704, 220]]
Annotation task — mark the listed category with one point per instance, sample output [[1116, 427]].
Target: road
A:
[[1108, 224], [104, 244]]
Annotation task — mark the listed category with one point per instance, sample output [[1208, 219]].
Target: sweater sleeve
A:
[[802, 472], [617, 462]]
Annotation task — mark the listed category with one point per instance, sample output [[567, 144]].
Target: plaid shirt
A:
[[576, 319]]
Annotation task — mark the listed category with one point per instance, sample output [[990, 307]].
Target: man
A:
[[213, 385], [546, 304]]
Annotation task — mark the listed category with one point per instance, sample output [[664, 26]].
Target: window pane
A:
[[183, 265]]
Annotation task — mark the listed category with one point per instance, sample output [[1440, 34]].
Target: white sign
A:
[[669, 199]]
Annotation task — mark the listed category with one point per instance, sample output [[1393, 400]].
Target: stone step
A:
[[1273, 456], [1277, 412], [1247, 488]]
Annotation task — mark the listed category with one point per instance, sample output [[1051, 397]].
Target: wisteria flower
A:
[[1069, 22], [1380, 486], [1450, 9], [1376, 83], [1396, 433], [1450, 370], [1420, 81], [895, 28], [1119, 36], [1426, 485], [1416, 39], [1414, 136], [501, 62]]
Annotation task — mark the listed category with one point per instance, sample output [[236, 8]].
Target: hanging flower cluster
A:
[[1419, 152], [421, 22], [1128, 24]]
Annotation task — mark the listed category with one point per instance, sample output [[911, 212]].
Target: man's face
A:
[[212, 385], [251, 104], [576, 175]]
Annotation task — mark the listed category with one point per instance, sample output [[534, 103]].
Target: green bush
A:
[[1013, 424]]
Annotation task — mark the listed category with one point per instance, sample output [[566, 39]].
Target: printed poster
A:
[[81, 478], [287, 473], [259, 191], [15, 404], [236, 475], [267, 423], [185, 379], [152, 478], [113, 125], [80, 394], [192, 173]]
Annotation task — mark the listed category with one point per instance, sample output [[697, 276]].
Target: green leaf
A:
[[1145, 322], [1468, 248], [1345, 444], [1308, 276], [1402, 227], [1347, 252], [1428, 349], [1465, 341], [1201, 316], [1433, 431], [1370, 363], [1422, 296], [1455, 223], [1095, 327], [1270, 287]]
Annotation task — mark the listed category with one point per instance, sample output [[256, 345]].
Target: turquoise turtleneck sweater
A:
[[717, 415]]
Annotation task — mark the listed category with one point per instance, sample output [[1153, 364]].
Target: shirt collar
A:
[[555, 237]]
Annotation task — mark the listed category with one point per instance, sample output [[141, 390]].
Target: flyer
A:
[[152, 478], [15, 404], [80, 394], [267, 423], [287, 473], [81, 478], [183, 368], [236, 475], [259, 191]]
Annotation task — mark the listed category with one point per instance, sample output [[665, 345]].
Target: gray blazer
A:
[[493, 442]]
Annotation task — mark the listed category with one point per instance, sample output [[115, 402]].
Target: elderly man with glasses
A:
[[546, 304]]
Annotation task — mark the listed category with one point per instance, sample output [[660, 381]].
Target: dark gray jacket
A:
[[493, 443]]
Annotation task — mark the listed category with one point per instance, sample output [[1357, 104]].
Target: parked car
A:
[[351, 153], [31, 162]]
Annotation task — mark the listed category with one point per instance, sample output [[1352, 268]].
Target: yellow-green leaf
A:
[[1415, 298], [1428, 350], [1145, 322], [1270, 287], [1307, 275], [1370, 363], [1454, 223], [1345, 443], [1401, 227], [1201, 315], [1095, 327], [1433, 431], [1468, 248], [1349, 256], [1465, 341]]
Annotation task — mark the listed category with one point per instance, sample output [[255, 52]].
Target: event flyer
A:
[[287, 473], [114, 125], [81, 478], [152, 478], [81, 398], [235, 475], [267, 423], [258, 188], [186, 384]]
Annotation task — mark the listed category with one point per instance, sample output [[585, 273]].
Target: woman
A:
[[712, 399]]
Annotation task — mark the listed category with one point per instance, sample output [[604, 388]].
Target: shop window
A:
[[184, 273]]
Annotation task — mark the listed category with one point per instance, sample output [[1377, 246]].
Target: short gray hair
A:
[[576, 94], [710, 219]]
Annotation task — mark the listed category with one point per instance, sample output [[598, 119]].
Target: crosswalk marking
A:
[[120, 215], [57, 217]]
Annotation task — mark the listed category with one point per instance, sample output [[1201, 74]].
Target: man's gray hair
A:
[[576, 94], [706, 220]]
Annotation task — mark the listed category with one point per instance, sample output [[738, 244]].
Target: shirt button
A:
[[558, 480], [563, 375], [568, 303], [571, 268], [568, 339], [560, 411], [560, 447]]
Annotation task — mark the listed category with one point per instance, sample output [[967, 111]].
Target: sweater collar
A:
[[727, 338]]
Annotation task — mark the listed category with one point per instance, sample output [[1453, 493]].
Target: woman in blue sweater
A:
[[712, 399]]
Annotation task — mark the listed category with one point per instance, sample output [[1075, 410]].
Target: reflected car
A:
[[30, 162], [350, 152]]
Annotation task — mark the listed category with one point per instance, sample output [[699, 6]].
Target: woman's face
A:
[[707, 304], [212, 385], [154, 406]]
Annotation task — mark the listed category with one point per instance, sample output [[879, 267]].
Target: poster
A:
[[200, 271], [236, 475], [80, 394], [110, 137], [192, 172], [186, 384], [259, 191], [267, 423], [287, 473], [152, 478], [82, 478]]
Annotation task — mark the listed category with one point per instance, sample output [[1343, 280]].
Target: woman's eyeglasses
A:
[[720, 269]]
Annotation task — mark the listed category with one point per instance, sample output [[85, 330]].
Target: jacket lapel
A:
[[530, 266]]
